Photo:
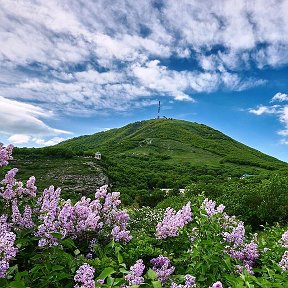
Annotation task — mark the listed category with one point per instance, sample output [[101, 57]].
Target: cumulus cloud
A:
[[21, 121], [279, 97], [67, 55], [280, 111], [264, 110], [19, 139], [50, 142]]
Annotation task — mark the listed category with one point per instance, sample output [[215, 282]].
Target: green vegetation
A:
[[143, 157]]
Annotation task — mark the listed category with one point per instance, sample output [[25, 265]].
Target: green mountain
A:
[[172, 141], [143, 156]]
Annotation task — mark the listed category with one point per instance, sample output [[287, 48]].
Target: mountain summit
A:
[[172, 140]]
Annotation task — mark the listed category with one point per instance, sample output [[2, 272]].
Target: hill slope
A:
[[176, 139], [143, 156]]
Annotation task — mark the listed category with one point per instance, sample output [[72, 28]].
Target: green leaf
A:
[[156, 284], [151, 274], [124, 271], [57, 235], [106, 272], [69, 243], [77, 252], [57, 267], [110, 280], [17, 284], [120, 258]]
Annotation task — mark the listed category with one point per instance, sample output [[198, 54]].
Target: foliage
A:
[[47, 241]]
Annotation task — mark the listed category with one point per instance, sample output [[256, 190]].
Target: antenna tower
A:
[[158, 114]]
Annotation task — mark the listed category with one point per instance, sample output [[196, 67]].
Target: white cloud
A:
[[50, 142], [284, 141], [23, 120], [264, 110], [279, 97], [280, 111], [19, 139], [95, 55]]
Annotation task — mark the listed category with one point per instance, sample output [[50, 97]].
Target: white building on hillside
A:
[[98, 155]]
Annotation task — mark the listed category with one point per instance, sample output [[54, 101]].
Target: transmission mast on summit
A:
[[158, 114]]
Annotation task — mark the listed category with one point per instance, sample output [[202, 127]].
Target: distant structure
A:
[[244, 176], [158, 113], [98, 155]]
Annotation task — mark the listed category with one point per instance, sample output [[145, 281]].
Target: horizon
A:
[[70, 70]]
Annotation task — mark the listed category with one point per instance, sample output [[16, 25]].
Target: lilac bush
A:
[[284, 240], [84, 277], [162, 267], [237, 248], [284, 243], [190, 282], [211, 240], [173, 221], [15, 189], [5, 154], [135, 275], [210, 207], [284, 261], [86, 215], [7, 248]]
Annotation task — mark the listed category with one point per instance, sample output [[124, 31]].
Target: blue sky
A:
[[69, 68]]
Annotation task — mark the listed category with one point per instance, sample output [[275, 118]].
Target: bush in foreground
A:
[[46, 241]]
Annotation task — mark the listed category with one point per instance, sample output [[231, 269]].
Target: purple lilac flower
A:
[[234, 235], [5, 154], [136, 272], [48, 203], [237, 236], [217, 284], [101, 281], [13, 188], [9, 182], [120, 235], [19, 221], [86, 215], [84, 277], [284, 261], [189, 283], [30, 187], [7, 249], [210, 207], [66, 218], [284, 240], [162, 267], [173, 221]]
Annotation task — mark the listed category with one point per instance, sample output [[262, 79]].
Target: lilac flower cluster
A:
[[48, 212], [86, 215], [284, 240], [190, 282], [162, 267], [284, 260], [247, 254], [234, 235], [7, 249], [21, 221], [13, 188], [217, 284], [84, 277], [173, 221], [135, 275], [5, 154], [210, 207]]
